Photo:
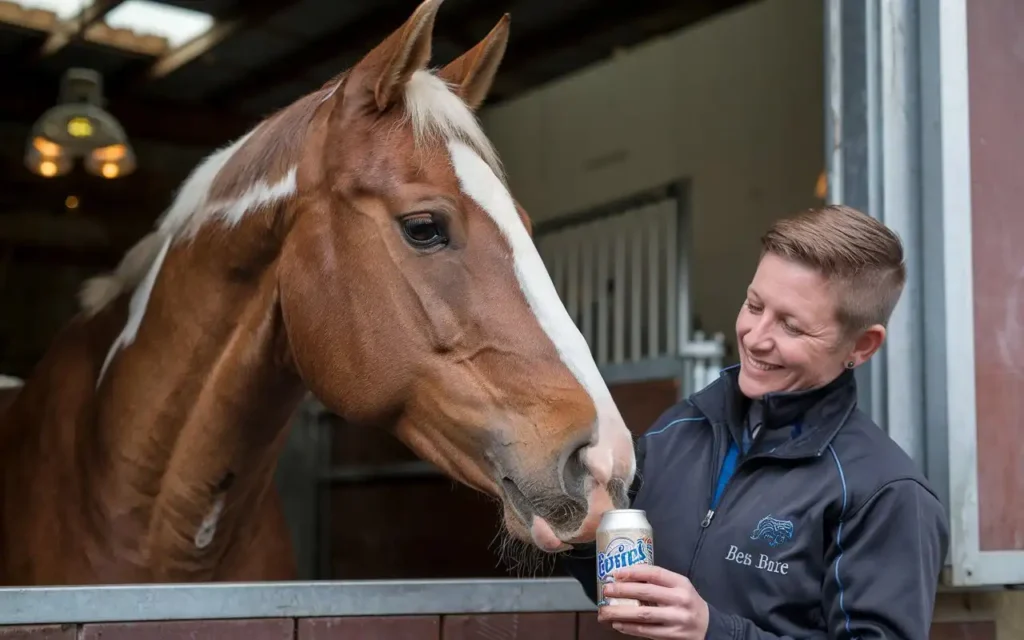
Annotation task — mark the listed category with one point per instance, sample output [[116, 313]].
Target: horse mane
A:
[[10, 382], [259, 169]]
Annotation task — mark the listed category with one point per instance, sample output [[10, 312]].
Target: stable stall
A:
[[650, 175]]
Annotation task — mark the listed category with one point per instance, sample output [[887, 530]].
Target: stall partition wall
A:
[[924, 106]]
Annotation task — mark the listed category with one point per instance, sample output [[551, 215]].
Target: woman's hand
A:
[[670, 605]]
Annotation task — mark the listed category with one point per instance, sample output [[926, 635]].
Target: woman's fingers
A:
[[650, 573], [641, 630], [643, 614], [645, 592]]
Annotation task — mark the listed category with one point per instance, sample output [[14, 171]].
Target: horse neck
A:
[[191, 413]]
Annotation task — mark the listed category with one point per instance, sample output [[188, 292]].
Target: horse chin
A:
[[544, 537]]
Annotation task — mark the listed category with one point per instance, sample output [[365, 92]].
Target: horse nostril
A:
[[517, 498], [574, 471]]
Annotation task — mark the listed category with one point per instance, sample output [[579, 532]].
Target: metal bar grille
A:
[[618, 277]]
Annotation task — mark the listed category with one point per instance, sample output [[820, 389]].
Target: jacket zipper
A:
[[716, 471], [733, 451], [716, 500], [706, 522]]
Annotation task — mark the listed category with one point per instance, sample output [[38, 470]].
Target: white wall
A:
[[733, 104]]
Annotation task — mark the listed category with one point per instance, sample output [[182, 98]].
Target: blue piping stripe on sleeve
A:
[[728, 468], [839, 537], [672, 424]]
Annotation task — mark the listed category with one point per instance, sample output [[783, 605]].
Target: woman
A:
[[779, 509]]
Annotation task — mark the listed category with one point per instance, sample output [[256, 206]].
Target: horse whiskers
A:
[[520, 558]]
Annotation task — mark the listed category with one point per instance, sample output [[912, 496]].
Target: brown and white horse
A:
[[361, 245]]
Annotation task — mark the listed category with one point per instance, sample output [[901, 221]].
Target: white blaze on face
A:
[[613, 453]]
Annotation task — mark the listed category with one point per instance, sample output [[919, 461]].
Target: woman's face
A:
[[788, 336]]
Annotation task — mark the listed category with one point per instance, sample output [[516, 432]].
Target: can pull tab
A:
[[707, 519]]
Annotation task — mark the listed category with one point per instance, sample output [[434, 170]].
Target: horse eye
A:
[[423, 232]]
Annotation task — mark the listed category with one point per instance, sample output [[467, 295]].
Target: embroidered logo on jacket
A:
[[776, 532]]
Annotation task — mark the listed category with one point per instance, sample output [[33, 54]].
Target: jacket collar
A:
[[814, 415]]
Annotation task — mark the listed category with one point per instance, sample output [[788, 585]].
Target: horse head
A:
[[413, 294], [362, 244]]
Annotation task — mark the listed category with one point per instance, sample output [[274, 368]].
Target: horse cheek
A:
[[338, 340]]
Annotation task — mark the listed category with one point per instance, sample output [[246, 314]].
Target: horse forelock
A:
[[435, 111]]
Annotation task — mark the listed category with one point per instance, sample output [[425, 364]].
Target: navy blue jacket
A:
[[820, 526]]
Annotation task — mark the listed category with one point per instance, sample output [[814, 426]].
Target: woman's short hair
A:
[[862, 257]]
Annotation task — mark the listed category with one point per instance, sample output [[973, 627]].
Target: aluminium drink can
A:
[[624, 538]]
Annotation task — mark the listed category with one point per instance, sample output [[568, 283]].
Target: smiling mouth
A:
[[760, 365]]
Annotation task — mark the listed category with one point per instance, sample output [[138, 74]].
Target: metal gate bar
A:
[[71, 605]]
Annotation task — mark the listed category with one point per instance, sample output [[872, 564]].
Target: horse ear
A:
[[388, 67], [473, 72]]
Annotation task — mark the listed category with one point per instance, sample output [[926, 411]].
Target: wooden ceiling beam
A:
[[194, 49], [353, 38], [245, 16], [71, 29]]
